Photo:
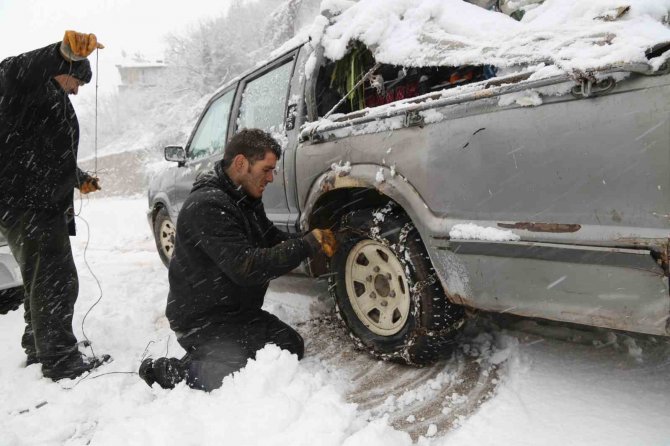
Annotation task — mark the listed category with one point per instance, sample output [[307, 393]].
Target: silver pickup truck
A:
[[446, 196]]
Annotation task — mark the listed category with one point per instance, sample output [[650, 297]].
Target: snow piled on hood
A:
[[573, 34]]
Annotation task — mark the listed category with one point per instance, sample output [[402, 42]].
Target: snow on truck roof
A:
[[568, 35], [571, 34]]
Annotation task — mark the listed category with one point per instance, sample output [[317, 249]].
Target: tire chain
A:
[[374, 233]]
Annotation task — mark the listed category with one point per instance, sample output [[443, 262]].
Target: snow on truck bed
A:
[[571, 34]]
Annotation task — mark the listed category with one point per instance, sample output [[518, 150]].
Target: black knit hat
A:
[[81, 70]]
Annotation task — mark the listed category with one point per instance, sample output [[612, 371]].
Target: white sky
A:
[[129, 25]]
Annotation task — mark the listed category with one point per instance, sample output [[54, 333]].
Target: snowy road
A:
[[512, 381]]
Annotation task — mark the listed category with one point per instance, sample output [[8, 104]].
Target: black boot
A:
[[71, 366], [31, 358], [146, 371], [167, 372]]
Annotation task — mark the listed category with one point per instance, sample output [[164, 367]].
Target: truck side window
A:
[[264, 100], [210, 137]]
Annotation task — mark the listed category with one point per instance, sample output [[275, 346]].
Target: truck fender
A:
[[452, 273]]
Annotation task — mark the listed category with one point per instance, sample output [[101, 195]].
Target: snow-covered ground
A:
[[512, 381]]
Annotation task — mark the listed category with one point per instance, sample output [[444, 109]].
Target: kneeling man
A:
[[226, 252]]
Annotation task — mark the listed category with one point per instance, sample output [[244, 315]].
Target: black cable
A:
[[89, 376], [95, 144], [146, 350], [90, 270], [77, 214]]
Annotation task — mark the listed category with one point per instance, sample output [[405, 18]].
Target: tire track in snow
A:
[[443, 394]]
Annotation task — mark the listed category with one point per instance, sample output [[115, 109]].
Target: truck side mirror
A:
[[175, 153]]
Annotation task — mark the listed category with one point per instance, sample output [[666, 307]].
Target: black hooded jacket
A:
[[226, 252], [39, 131]]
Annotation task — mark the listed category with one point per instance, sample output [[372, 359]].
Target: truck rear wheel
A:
[[387, 292]]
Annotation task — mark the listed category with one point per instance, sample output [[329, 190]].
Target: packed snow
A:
[[471, 231], [341, 168], [538, 385]]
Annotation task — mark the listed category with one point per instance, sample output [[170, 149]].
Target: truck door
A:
[[206, 145], [262, 105]]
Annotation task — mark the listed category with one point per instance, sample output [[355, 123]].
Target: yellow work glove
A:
[[78, 46], [327, 240], [89, 185]]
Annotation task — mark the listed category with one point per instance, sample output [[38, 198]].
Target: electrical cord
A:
[[77, 214], [97, 281], [89, 376], [88, 227]]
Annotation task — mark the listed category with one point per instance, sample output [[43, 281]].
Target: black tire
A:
[[11, 299], [164, 235], [426, 333]]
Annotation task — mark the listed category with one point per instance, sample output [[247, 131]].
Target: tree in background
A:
[[226, 46], [199, 61]]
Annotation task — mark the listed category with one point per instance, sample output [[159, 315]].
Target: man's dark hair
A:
[[253, 144]]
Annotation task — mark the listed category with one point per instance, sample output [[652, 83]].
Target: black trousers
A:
[[40, 243], [218, 350]]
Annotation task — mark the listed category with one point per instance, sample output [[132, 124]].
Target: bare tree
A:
[[199, 62]]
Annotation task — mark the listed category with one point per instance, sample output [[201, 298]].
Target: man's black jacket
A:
[[39, 132], [226, 252]]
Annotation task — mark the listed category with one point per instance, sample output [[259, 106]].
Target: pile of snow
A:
[[555, 38], [572, 34], [272, 401], [471, 231]]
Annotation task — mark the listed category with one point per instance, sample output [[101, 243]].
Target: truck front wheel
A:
[[387, 292], [164, 234]]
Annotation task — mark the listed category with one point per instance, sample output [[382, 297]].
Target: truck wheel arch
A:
[[358, 189], [333, 194]]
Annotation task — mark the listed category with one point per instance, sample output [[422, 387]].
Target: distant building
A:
[[140, 74]]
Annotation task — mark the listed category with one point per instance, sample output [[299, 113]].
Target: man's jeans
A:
[[40, 243], [218, 350]]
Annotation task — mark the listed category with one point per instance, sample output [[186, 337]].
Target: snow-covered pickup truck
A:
[[543, 193]]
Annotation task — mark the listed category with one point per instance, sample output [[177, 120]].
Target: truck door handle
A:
[[291, 111]]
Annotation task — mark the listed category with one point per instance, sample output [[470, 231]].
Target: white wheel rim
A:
[[166, 237], [377, 287]]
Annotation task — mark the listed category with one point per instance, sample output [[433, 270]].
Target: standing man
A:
[[39, 138], [226, 252]]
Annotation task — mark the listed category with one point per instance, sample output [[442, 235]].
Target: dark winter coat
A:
[[226, 252], [39, 132]]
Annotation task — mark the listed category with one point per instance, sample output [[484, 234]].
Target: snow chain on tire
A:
[[432, 321]]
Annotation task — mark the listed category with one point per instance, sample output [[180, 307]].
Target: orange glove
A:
[[89, 185], [78, 46], [327, 240]]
